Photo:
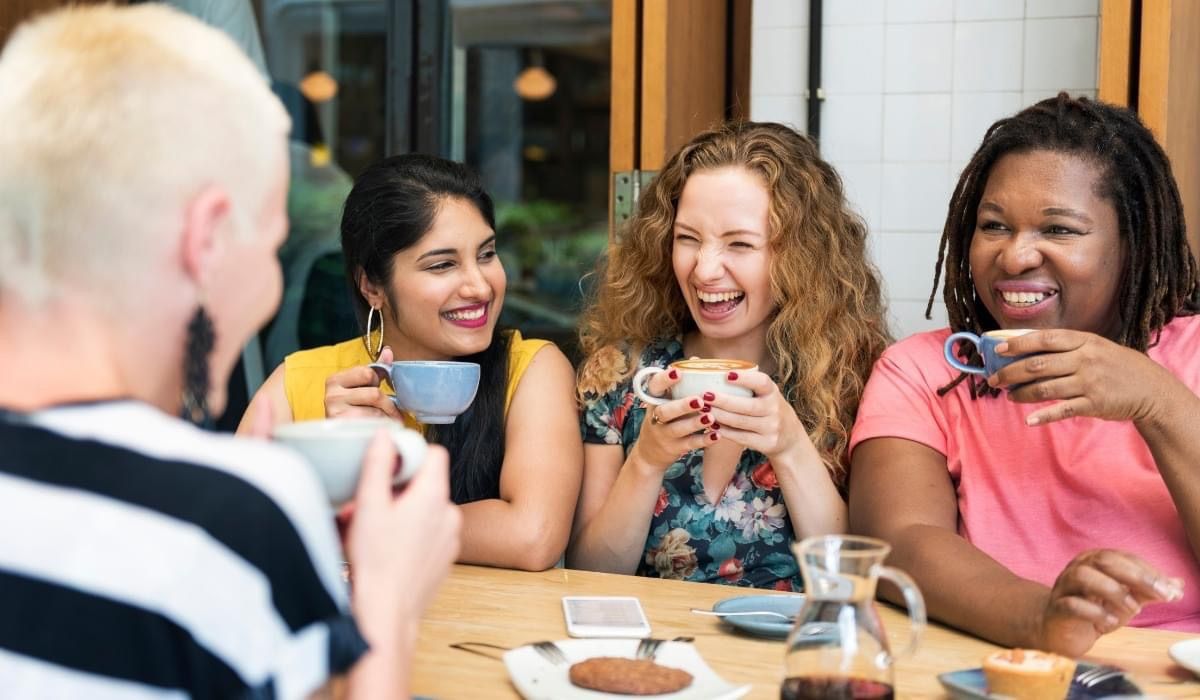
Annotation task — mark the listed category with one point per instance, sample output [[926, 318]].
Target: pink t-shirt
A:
[[1035, 497]]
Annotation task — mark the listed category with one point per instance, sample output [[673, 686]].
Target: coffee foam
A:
[[1007, 333], [713, 365]]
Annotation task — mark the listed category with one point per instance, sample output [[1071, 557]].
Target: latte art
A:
[[713, 365]]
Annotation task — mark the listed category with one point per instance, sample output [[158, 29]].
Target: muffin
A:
[[1028, 675]]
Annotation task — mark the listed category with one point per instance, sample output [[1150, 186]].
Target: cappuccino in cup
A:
[[696, 376], [986, 345]]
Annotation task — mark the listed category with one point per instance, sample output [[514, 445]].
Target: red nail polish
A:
[[712, 436], [709, 396], [695, 403], [733, 376], [705, 420], [673, 374], [716, 426], [705, 408]]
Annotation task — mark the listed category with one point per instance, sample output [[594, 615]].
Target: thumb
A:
[[386, 356], [375, 480]]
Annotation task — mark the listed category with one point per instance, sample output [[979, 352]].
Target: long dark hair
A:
[[390, 208], [1160, 279]]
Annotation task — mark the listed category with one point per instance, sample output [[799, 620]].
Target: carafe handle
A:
[[913, 601]]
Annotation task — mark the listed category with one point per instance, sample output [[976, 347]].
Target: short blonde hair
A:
[[111, 120]]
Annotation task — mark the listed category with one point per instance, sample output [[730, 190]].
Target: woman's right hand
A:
[[1100, 591], [673, 428], [355, 393], [400, 546]]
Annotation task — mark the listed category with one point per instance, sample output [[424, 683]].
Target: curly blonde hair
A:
[[829, 327]]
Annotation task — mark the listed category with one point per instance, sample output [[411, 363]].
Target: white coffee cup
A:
[[696, 376], [335, 448]]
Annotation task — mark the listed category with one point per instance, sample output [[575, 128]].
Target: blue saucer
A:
[[970, 684], [762, 625]]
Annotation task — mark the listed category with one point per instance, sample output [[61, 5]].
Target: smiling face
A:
[[1046, 251], [720, 253], [445, 292]]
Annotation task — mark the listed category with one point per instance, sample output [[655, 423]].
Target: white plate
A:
[[1187, 654], [536, 678]]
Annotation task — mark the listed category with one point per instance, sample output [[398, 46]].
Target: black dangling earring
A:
[[199, 345]]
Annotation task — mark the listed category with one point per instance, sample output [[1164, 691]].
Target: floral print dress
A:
[[742, 540]]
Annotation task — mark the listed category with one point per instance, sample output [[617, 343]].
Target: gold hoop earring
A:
[[370, 321]]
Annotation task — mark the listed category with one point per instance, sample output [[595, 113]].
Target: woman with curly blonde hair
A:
[[742, 248]]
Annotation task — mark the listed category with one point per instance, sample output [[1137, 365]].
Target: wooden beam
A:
[[683, 73], [739, 60], [1169, 93], [1116, 41]]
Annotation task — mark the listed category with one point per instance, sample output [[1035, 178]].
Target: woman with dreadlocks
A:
[[1057, 500]]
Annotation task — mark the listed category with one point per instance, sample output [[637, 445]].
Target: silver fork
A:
[[1098, 674], [550, 652], [647, 648]]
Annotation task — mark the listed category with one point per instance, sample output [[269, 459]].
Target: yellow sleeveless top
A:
[[306, 371]]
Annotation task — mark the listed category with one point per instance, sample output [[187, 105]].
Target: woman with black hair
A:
[[1058, 499], [418, 235]]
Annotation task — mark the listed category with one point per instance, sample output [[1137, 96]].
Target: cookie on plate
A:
[[613, 674]]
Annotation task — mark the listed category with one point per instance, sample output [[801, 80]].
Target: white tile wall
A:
[[971, 10], [988, 55], [851, 59], [906, 11], [1061, 53], [1062, 8], [911, 86], [835, 12], [916, 127], [917, 57], [973, 113], [779, 13], [851, 129]]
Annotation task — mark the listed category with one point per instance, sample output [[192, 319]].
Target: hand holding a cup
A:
[[672, 427], [355, 393], [764, 421], [1086, 374]]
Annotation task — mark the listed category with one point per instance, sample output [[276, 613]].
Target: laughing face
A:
[[720, 253], [446, 291], [1047, 252]]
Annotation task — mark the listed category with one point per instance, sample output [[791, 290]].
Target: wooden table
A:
[[511, 608]]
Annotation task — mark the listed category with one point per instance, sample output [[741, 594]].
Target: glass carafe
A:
[[838, 648]]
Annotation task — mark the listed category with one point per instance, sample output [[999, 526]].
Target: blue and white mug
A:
[[986, 344]]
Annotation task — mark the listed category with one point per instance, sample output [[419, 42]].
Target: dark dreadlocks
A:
[[1160, 281]]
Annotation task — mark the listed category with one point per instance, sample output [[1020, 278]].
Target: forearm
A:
[[813, 502], [385, 670], [965, 588], [1173, 439], [614, 538], [496, 532]]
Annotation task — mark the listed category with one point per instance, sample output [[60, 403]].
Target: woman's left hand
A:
[[1086, 374], [764, 422]]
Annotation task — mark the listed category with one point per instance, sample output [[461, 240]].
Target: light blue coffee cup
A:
[[432, 391], [986, 344]]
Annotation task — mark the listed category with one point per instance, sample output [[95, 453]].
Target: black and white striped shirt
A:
[[141, 557]]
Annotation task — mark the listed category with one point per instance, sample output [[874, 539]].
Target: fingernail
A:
[[1002, 347], [694, 403], [705, 408], [992, 381], [709, 396], [1171, 589], [705, 420], [716, 426], [1132, 604], [733, 376], [1032, 420], [713, 435], [1111, 622], [673, 374]]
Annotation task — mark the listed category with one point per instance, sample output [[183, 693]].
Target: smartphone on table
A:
[[605, 616]]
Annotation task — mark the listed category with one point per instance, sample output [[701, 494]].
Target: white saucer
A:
[[1187, 654]]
